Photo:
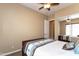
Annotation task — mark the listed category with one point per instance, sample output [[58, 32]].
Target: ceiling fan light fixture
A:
[[68, 20], [47, 6]]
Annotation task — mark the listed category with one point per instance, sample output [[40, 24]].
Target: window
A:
[[72, 30]]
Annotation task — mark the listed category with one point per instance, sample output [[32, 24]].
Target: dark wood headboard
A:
[[25, 42]]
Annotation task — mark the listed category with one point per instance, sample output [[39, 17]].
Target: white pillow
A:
[[76, 50], [69, 46], [45, 41]]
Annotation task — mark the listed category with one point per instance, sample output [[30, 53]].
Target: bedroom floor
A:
[[16, 54]]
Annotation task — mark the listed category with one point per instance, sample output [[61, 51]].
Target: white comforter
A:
[[53, 49]]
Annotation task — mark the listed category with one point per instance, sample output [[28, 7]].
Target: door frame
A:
[[46, 28]]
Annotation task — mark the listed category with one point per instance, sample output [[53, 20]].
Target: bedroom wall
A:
[[18, 23], [57, 29]]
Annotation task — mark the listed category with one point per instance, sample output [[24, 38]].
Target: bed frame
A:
[[25, 42]]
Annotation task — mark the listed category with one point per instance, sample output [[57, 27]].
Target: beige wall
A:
[[57, 29], [62, 27], [63, 23], [18, 23]]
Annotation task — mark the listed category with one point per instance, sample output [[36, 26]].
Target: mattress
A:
[[53, 49]]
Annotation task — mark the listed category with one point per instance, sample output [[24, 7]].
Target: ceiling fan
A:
[[48, 5]]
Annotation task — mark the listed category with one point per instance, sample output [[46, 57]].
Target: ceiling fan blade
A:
[[54, 4], [48, 9], [41, 8]]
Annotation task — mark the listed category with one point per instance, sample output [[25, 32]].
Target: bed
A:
[[52, 48]]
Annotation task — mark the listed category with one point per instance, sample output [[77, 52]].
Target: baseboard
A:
[[5, 54]]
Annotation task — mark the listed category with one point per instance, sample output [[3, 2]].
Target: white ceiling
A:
[[36, 6]]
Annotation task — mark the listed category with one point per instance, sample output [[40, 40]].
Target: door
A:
[[46, 29], [52, 29]]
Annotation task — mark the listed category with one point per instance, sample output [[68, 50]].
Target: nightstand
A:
[[60, 38]]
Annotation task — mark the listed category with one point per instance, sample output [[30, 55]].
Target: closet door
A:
[[52, 29]]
